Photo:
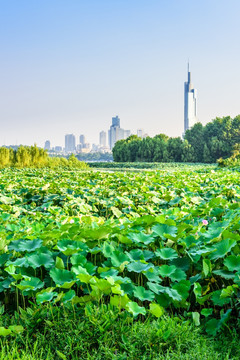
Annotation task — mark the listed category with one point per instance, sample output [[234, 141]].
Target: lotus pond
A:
[[146, 243]]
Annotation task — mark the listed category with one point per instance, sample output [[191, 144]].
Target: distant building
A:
[[47, 145], [140, 133], [70, 143], [82, 140], [58, 148], [87, 146], [126, 134], [79, 147], [190, 103], [103, 139], [116, 133], [95, 147], [86, 149], [116, 121]]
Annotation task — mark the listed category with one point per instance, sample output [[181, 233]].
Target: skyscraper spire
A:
[[190, 103], [189, 76]]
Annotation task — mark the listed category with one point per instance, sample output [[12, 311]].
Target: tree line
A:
[[33, 156], [203, 144]]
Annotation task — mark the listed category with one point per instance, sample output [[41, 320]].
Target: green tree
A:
[[201, 144], [23, 157], [4, 157], [187, 152], [206, 154], [160, 148], [133, 144], [195, 137], [175, 149]]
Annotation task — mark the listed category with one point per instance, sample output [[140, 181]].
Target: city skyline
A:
[[69, 67], [107, 140]]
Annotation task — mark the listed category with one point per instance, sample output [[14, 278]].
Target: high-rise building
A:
[[116, 133], [113, 131], [82, 140], [47, 145], [140, 133], [190, 103], [116, 121], [103, 139], [70, 143], [95, 147], [126, 134], [58, 148]]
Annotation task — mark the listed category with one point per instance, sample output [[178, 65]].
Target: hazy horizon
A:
[[69, 67]]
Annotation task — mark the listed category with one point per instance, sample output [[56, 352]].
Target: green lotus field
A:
[[143, 244]]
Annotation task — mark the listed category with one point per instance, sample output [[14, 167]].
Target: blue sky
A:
[[69, 66]]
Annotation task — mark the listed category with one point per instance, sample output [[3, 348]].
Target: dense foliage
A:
[[145, 165], [144, 242], [201, 144], [233, 161], [32, 156], [94, 156]]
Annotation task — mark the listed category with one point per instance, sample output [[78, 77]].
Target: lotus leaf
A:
[[4, 331], [142, 294], [61, 277], [156, 310], [135, 309], [118, 258], [38, 259], [196, 318], [59, 263], [166, 270], [68, 296], [165, 231], [32, 284], [69, 247], [142, 238], [152, 275], [78, 259], [232, 262], [222, 248], [25, 245], [119, 301], [138, 267], [45, 296], [166, 253]]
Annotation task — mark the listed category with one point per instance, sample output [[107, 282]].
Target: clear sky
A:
[[68, 66]]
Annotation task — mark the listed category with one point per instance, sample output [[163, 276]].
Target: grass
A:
[[102, 334]]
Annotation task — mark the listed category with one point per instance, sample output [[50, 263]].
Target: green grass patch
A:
[[102, 333]]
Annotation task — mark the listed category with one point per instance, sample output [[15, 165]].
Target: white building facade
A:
[[103, 139], [190, 104], [116, 133], [70, 143]]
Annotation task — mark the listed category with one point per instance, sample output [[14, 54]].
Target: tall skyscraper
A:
[[140, 133], [70, 143], [116, 133], [116, 121], [113, 131], [103, 139], [82, 140], [47, 145], [190, 103]]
